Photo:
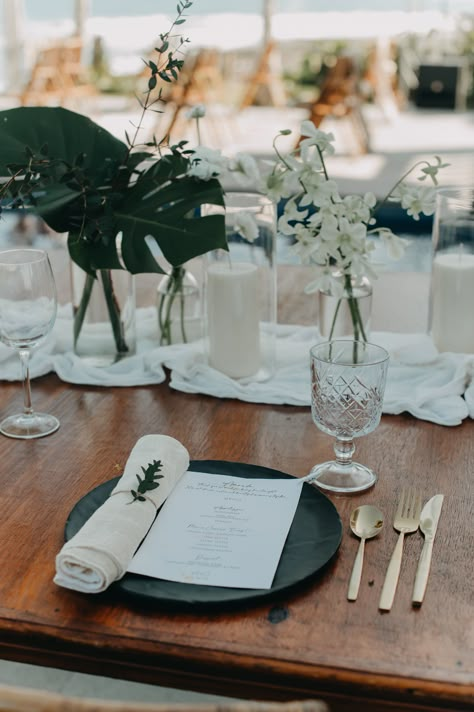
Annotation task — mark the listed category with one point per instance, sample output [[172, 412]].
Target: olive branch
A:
[[148, 482]]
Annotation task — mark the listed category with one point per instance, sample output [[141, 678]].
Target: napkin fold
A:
[[102, 549]]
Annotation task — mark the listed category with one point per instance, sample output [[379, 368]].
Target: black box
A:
[[441, 86]]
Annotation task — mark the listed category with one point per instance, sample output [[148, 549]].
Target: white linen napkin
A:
[[102, 549]]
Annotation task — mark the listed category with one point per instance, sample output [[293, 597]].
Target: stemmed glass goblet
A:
[[347, 387], [28, 308]]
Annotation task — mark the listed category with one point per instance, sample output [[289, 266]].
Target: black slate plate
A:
[[313, 539]]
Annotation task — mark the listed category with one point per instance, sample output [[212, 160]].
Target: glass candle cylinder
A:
[[451, 320], [240, 290]]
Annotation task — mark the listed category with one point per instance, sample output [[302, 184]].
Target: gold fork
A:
[[406, 521]]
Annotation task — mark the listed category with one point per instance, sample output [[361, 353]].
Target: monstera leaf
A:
[[63, 134], [161, 201], [171, 215], [64, 139]]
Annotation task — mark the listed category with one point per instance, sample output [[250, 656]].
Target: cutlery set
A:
[[367, 521]]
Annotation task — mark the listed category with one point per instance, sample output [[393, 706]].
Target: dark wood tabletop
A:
[[308, 643]]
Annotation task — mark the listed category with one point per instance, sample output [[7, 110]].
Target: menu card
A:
[[218, 530]]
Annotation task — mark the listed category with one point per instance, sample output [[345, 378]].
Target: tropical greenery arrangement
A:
[[111, 196]]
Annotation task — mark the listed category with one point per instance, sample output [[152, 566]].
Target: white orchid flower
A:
[[325, 282], [419, 199], [245, 165], [352, 237], [370, 200], [282, 184], [246, 225], [431, 170], [305, 245], [329, 231], [316, 137], [206, 163], [329, 209], [399, 192], [357, 208], [311, 158], [320, 194], [292, 214], [361, 266], [394, 244]]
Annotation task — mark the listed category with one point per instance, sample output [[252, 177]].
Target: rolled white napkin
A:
[[102, 549]]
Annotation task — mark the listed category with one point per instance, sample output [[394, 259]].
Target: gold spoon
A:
[[366, 522]]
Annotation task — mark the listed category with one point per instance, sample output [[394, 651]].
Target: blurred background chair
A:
[[340, 97], [58, 75]]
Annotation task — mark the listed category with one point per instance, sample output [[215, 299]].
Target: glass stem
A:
[[344, 449], [25, 377]]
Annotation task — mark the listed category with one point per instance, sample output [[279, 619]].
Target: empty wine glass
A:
[[28, 308], [347, 386]]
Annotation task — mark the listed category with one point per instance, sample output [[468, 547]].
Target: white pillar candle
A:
[[452, 318], [233, 318]]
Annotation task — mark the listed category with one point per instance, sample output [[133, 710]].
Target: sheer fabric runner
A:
[[429, 385]]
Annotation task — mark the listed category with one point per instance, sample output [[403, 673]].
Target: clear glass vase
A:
[[452, 277], [240, 291], [104, 315], [345, 313], [179, 307]]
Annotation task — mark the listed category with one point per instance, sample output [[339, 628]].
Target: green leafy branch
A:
[[148, 482], [166, 69]]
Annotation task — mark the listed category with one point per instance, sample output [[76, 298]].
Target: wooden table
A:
[[310, 643]]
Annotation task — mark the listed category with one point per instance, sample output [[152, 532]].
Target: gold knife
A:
[[428, 525]]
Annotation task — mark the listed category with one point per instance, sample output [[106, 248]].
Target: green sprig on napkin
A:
[[147, 483]]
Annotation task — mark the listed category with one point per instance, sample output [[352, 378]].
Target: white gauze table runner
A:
[[429, 385]]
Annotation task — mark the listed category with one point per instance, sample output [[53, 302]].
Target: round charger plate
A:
[[312, 541]]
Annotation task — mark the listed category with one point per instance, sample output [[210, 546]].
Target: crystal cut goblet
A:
[[347, 387]]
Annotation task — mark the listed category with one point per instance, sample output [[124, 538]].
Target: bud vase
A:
[[104, 315], [345, 311], [178, 303], [240, 291]]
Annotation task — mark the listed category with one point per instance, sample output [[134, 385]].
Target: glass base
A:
[[345, 479], [26, 427]]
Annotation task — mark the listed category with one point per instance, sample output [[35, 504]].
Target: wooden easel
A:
[[265, 78], [199, 83]]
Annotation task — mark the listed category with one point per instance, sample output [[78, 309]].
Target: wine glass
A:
[[28, 308], [347, 386]]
